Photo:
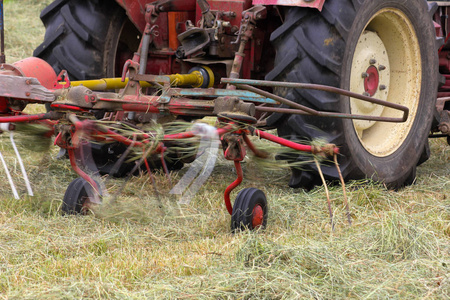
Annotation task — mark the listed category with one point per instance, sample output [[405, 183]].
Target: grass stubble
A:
[[144, 247]]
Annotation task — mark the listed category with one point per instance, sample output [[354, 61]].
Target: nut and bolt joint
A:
[[381, 67], [382, 87], [365, 75], [372, 61]]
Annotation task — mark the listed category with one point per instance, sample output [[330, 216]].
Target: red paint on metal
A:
[[236, 6], [287, 143], [231, 187], [179, 136], [135, 9], [23, 118], [67, 107], [39, 69], [120, 138], [257, 216], [372, 80], [4, 105], [302, 3]]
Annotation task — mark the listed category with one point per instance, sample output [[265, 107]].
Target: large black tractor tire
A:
[[88, 38], [395, 43]]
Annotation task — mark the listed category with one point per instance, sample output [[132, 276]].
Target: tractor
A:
[[365, 76]]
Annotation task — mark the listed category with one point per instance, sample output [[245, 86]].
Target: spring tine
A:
[[122, 158], [11, 183], [22, 167], [135, 168], [326, 191], [166, 170], [152, 178], [344, 190]]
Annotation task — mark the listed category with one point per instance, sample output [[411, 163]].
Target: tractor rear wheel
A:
[[385, 48], [89, 39]]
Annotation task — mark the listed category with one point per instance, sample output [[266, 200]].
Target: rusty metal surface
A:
[[444, 122], [28, 88], [212, 93]]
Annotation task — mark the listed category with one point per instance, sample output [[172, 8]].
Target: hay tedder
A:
[[361, 75]]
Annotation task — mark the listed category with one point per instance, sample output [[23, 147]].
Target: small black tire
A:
[[249, 210], [76, 199]]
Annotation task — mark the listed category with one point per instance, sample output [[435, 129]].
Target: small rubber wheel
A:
[[79, 197], [249, 210]]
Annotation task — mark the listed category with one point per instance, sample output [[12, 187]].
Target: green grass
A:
[[145, 247]]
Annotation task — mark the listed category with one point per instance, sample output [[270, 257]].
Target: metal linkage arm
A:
[[247, 84]]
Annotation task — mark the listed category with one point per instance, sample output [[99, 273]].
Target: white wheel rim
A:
[[388, 54]]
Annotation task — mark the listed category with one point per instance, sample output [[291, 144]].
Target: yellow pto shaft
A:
[[198, 77]]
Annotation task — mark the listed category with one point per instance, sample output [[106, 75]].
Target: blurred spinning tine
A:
[[6, 127], [204, 162]]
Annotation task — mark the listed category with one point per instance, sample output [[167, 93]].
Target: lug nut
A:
[[372, 61], [381, 67], [365, 75], [382, 87], [366, 94]]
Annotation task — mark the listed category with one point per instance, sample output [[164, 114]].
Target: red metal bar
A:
[[240, 176], [287, 143], [23, 118], [80, 172], [68, 107], [122, 139], [253, 148], [179, 136]]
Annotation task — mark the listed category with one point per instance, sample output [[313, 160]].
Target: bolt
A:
[[444, 128], [27, 94], [382, 87], [372, 61], [381, 67], [28, 81], [364, 75], [366, 94]]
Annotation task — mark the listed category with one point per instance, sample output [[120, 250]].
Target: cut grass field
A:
[[145, 247]]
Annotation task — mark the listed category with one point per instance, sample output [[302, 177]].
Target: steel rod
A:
[[328, 114], [246, 85], [2, 29]]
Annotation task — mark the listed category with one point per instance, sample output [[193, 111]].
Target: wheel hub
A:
[[257, 216], [371, 81], [370, 77]]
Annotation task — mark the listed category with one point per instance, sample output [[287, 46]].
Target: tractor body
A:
[[361, 75]]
